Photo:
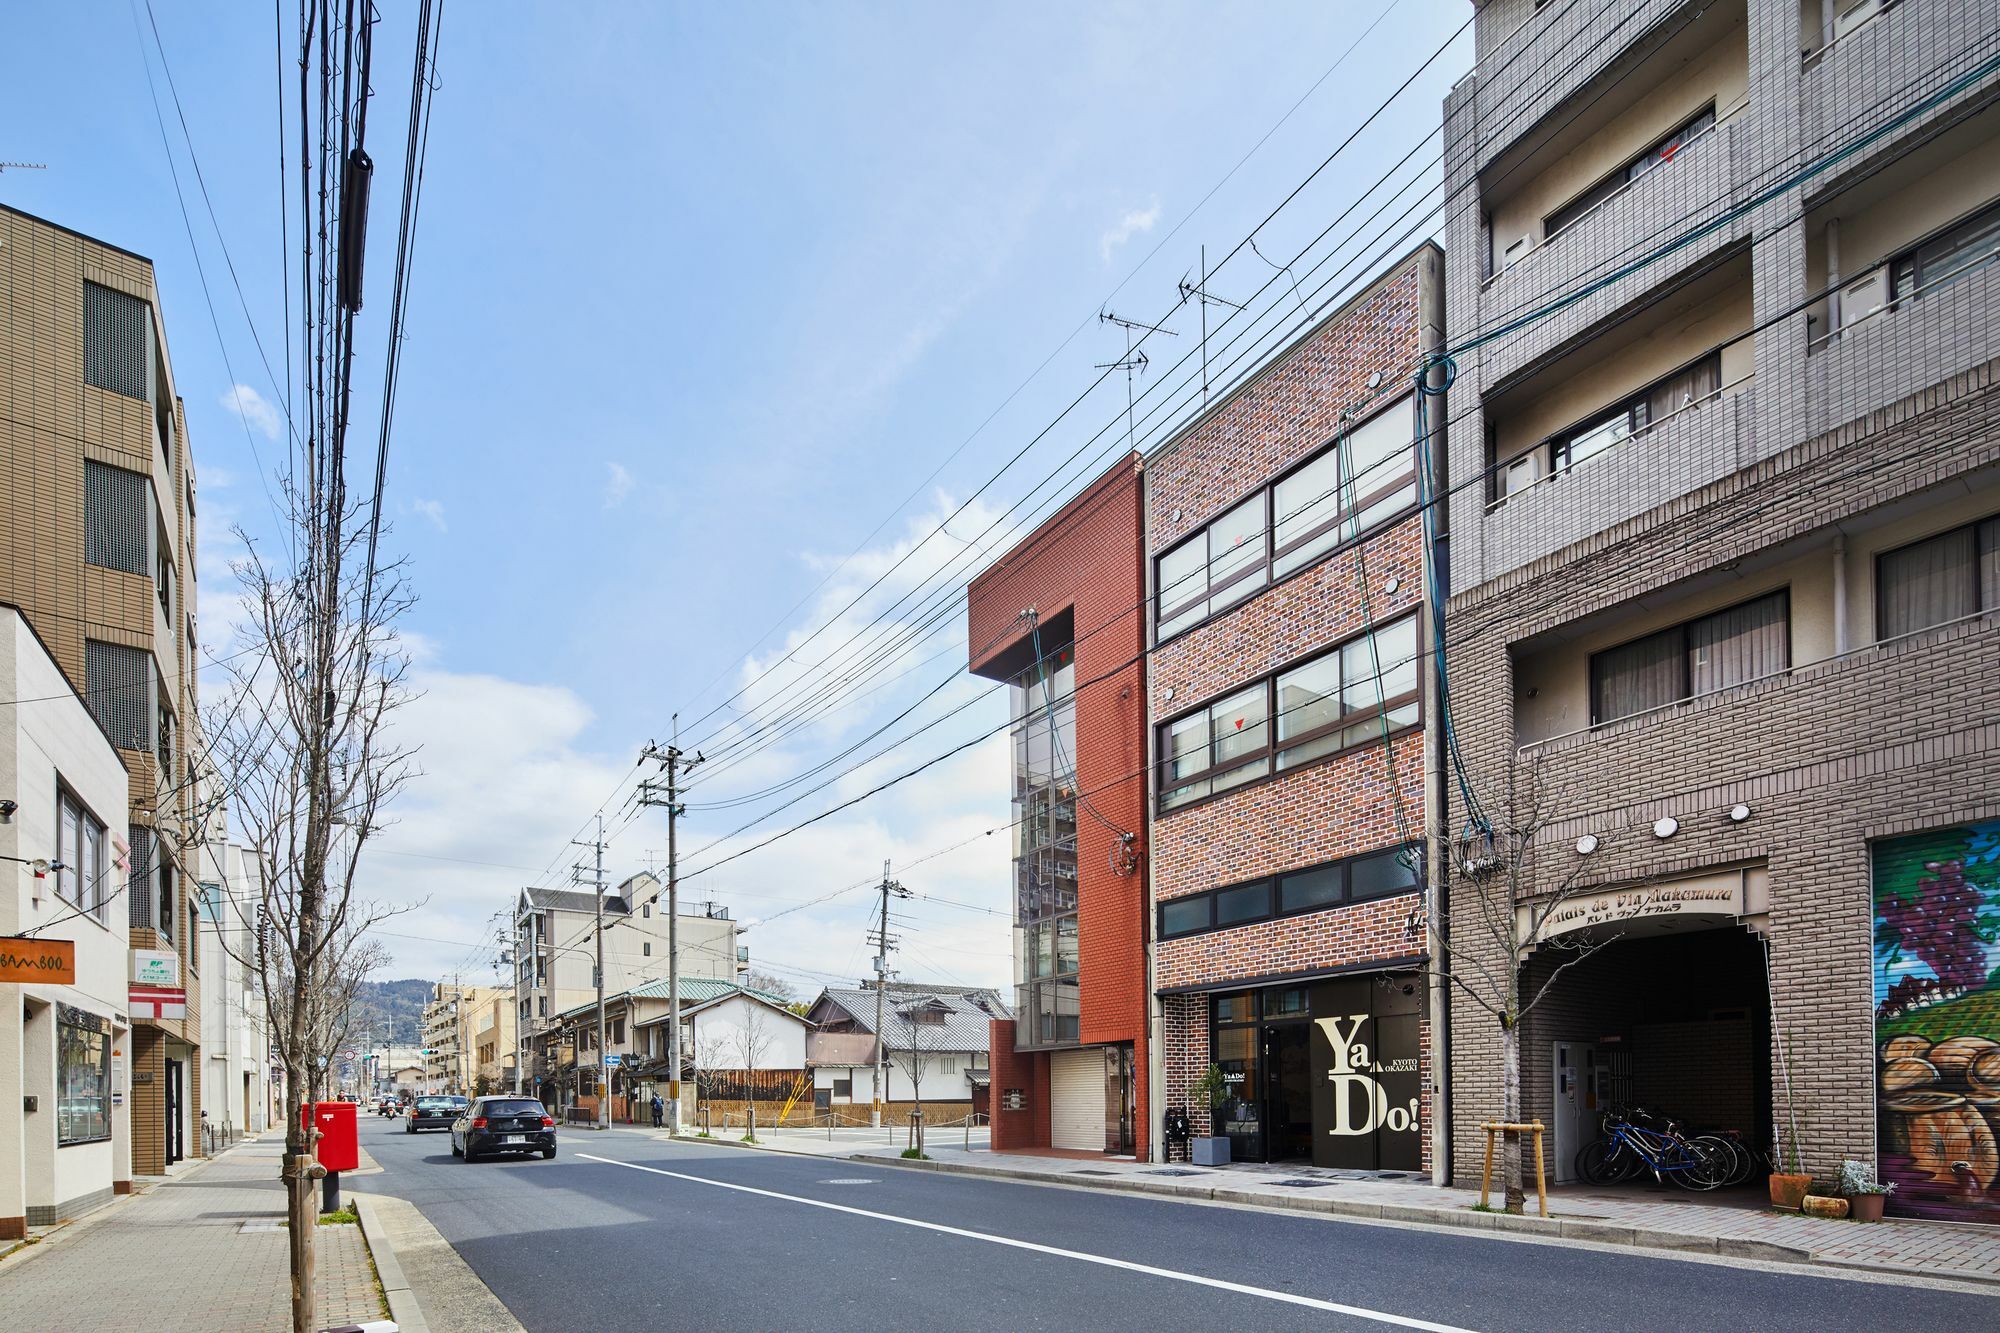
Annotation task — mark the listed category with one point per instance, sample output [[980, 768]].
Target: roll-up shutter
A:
[[1076, 1099]]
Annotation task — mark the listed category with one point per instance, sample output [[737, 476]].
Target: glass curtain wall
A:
[[1045, 794]]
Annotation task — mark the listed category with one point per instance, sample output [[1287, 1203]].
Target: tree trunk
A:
[[299, 1204], [1510, 1111]]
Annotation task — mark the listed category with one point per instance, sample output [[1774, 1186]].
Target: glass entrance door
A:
[[174, 1092], [1288, 1090], [1241, 1114]]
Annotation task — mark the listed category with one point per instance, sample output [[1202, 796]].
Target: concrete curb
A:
[[403, 1307], [1464, 1219]]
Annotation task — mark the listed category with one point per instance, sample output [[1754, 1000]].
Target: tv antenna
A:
[[1131, 361], [1198, 291], [24, 166]]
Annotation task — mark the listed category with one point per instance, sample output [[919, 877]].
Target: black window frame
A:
[[1635, 408], [91, 898], [1266, 571], [92, 1031], [1981, 546], [1593, 196], [1207, 900], [1682, 629], [1906, 267], [1271, 751]]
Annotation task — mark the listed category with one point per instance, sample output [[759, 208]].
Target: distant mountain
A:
[[395, 1010]]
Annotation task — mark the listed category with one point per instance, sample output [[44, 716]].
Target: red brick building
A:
[[1288, 685], [1060, 618]]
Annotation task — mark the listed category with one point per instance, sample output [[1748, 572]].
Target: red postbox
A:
[[340, 1137]]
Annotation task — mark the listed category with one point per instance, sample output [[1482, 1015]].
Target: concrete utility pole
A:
[[650, 793], [883, 943], [520, 1020], [603, 1069]]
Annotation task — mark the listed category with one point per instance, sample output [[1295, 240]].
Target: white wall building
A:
[[65, 1046], [238, 1094]]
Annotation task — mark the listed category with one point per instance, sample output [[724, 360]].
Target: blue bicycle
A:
[[1630, 1148]]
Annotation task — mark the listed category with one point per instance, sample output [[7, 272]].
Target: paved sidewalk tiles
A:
[[199, 1251]]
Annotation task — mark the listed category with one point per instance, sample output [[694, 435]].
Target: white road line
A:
[[1289, 1298]]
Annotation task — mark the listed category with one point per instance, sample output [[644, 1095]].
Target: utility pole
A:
[[676, 766], [603, 1069], [883, 943]]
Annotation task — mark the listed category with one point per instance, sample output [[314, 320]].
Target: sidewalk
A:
[[200, 1251], [1927, 1249]]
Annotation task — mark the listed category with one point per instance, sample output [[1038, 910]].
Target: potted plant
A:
[[1789, 1183], [1865, 1194], [1213, 1149]]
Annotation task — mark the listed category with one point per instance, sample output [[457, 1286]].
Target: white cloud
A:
[[432, 510], [247, 403], [1135, 222], [617, 486]]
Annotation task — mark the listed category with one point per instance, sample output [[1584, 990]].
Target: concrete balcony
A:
[[1663, 204], [1676, 455], [1910, 51]]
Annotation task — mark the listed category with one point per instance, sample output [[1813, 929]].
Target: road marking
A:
[[1242, 1289]]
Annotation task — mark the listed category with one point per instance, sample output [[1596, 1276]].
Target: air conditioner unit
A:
[[1854, 15], [1864, 295]]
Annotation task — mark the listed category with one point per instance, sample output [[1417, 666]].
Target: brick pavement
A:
[[200, 1251]]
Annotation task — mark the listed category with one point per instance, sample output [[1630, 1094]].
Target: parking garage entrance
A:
[[1669, 1014]]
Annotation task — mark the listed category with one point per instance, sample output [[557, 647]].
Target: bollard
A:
[[329, 1198]]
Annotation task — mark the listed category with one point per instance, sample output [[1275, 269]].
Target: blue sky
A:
[[702, 293]]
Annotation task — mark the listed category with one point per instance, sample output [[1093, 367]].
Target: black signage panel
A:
[[1365, 1033]]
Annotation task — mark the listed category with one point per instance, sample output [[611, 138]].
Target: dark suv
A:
[[503, 1124], [434, 1113]]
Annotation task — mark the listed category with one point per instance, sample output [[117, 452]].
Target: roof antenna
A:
[[1131, 361], [1198, 291]]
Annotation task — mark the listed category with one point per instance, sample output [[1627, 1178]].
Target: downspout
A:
[[1156, 1045], [1841, 639], [1431, 338], [1833, 273]]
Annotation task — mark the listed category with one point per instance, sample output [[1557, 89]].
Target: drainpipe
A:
[[1156, 1027], [1833, 272], [1841, 638]]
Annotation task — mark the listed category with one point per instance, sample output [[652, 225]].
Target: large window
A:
[[117, 517], [118, 684], [1047, 956], [1337, 701], [1358, 481], [1659, 154], [116, 333], [1956, 249], [80, 848], [1691, 384], [83, 1076], [1379, 874], [1712, 653], [1939, 579]]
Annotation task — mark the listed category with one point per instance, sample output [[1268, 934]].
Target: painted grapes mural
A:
[[1937, 1021]]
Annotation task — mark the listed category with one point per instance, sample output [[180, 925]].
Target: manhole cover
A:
[[1297, 1183], [848, 1180], [1174, 1171]]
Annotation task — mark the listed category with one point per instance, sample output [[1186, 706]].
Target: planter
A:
[[1210, 1151], [1789, 1191], [1866, 1207], [1823, 1205]]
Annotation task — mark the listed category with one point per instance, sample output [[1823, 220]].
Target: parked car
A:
[[503, 1124], [434, 1113]]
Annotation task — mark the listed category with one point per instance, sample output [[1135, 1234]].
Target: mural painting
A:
[[1937, 1021]]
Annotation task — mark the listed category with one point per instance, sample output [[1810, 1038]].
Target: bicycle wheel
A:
[[1599, 1162], [1708, 1168]]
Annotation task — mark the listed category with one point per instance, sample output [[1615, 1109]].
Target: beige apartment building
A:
[[97, 533], [468, 1033]]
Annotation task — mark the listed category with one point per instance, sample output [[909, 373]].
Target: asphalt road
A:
[[621, 1231]]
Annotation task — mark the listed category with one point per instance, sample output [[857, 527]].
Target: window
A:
[[169, 902], [1938, 579], [117, 517], [83, 1077], [117, 332], [165, 735], [844, 1087], [1334, 702], [1362, 478], [139, 877], [648, 948], [1691, 384], [1378, 874], [1699, 657], [80, 849], [118, 686], [1952, 251], [1659, 154]]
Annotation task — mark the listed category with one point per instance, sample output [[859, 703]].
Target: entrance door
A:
[[1118, 1136], [1575, 1078], [175, 1091], [1288, 1090]]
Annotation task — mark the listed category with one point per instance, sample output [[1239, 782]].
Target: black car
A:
[[503, 1124], [434, 1113]]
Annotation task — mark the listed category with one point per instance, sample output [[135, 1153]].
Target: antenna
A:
[[1130, 361], [1198, 291], [25, 166]]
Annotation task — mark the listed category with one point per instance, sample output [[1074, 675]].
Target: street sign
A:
[[27, 960], [613, 1058]]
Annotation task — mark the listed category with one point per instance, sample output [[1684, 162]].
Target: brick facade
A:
[[1085, 560]]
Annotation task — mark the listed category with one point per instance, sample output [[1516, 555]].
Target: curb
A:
[[1602, 1233], [403, 1307]]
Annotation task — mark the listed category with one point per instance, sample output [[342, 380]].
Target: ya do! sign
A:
[[31, 960]]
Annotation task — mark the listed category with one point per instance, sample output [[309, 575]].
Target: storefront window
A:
[[83, 1077]]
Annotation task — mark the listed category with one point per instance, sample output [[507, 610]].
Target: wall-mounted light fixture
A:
[[1738, 813], [1586, 844], [1666, 826]]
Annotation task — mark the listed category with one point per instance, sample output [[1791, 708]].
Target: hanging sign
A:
[[30, 960], [155, 967], [159, 1002]]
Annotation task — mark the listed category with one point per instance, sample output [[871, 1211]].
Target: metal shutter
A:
[[1076, 1099], [115, 681], [114, 341], [116, 517], [139, 887]]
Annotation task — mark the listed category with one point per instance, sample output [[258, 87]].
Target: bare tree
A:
[[749, 1039], [919, 1048], [1506, 907], [711, 1058]]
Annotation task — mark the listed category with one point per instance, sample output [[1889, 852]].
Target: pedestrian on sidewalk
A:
[[659, 1111]]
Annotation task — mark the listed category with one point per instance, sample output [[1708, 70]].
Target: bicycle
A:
[[1629, 1148]]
